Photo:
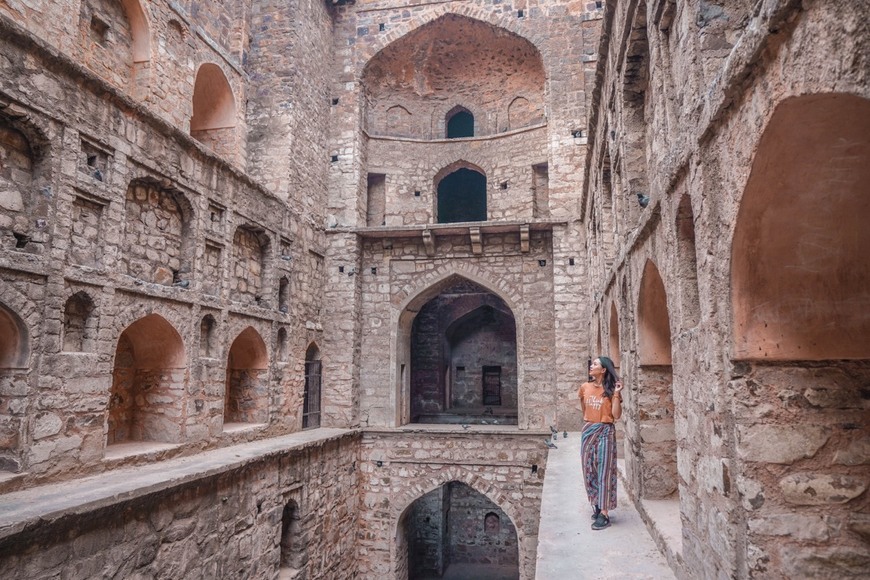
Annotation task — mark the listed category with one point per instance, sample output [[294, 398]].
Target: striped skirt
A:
[[598, 450]]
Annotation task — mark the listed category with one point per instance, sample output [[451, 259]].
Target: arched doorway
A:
[[459, 122], [455, 532], [463, 356], [311, 396]]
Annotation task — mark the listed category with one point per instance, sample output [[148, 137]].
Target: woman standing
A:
[[601, 401]]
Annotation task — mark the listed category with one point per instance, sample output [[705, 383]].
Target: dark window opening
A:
[[460, 124], [311, 397], [491, 385], [462, 197]]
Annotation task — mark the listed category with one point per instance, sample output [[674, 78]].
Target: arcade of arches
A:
[[296, 290]]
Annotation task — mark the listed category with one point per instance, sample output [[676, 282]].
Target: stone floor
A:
[[474, 572], [568, 548]]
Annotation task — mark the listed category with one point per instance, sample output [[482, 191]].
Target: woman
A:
[[601, 401]]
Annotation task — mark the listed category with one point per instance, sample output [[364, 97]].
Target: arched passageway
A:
[[148, 384], [455, 532], [464, 358]]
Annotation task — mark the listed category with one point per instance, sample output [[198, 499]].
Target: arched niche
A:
[[634, 108], [687, 264], [214, 106], [613, 338], [444, 532], [294, 552], [247, 392], [79, 323], [452, 59], [24, 169], [207, 341], [799, 266], [214, 110], [461, 194], [524, 113], [149, 357], [312, 390], [399, 122], [250, 247], [157, 233], [653, 321]]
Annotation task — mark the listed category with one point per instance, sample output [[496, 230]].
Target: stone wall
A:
[[398, 468], [219, 524], [684, 95], [127, 213], [404, 281]]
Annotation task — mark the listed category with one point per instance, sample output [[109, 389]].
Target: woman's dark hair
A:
[[610, 377]]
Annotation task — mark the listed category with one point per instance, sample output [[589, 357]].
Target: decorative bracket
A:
[[524, 238], [476, 240], [429, 242]]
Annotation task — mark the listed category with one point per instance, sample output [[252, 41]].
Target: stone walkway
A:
[[568, 548]]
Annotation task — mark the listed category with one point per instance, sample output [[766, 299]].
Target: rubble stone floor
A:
[[475, 572], [568, 548]]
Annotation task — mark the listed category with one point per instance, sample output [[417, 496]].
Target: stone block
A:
[[780, 443], [856, 453], [801, 527], [821, 489], [46, 425], [833, 562]]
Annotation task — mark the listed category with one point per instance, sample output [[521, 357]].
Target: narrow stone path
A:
[[568, 548]]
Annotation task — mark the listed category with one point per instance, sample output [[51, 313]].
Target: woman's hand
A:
[[617, 390]]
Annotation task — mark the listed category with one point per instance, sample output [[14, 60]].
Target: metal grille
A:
[[311, 401]]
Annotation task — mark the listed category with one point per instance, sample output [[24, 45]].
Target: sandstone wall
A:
[[112, 203], [227, 523], [684, 94], [398, 468]]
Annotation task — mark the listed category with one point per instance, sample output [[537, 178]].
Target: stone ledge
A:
[[48, 503]]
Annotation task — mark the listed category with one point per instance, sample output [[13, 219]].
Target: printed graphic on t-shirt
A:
[[594, 402]]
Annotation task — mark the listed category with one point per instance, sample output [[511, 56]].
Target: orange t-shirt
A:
[[596, 407]]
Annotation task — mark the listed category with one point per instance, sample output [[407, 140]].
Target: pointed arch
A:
[[150, 356], [458, 123], [311, 397], [799, 266], [214, 105], [14, 340], [461, 193], [247, 392], [653, 319]]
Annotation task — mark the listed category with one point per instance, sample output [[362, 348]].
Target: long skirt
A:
[[598, 449]]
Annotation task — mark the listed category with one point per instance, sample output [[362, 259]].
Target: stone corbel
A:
[[429, 242], [476, 240], [524, 238]]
